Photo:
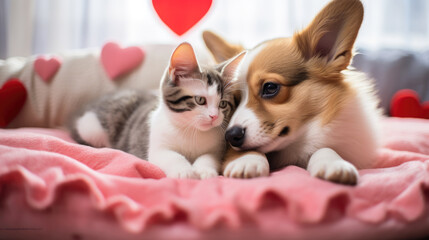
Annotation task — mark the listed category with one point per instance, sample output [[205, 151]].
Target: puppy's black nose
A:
[[235, 136]]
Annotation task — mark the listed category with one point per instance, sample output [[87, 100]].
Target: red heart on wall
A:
[[46, 67], [12, 98], [118, 61], [406, 103], [180, 16]]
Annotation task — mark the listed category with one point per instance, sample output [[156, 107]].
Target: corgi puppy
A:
[[301, 103]]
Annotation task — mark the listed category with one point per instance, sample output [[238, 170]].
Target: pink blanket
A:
[[52, 188]]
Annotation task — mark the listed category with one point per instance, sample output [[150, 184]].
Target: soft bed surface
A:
[[53, 188]]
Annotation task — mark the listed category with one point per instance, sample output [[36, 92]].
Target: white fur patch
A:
[[213, 99], [248, 166], [212, 90], [246, 118], [90, 130]]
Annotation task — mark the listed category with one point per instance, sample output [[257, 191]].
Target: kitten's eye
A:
[[200, 100], [270, 90], [223, 104]]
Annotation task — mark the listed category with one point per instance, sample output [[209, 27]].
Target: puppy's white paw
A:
[[248, 166], [205, 172], [338, 171], [332, 167], [184, 172]]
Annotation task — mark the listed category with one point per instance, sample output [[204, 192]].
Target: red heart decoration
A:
[[12, 98], [46, 67], [118, 61], [180, 16], [406, 103]]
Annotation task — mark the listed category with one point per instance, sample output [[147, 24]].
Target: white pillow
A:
[[80, 79]]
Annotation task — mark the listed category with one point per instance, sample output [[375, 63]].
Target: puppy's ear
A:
[[219, 47], [332, 33]]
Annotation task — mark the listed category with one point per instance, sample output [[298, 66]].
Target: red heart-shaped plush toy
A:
[[406, 103], [118, 61], [12, 98], [180, 16]]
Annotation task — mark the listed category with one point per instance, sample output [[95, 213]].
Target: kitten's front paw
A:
[[205, 172], [182, 173], [248, 166], [335, 171]]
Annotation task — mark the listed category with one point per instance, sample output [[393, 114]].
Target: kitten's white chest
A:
[[194, 145], [189, 142]]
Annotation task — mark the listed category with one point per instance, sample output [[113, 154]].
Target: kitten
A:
[[182, 131]]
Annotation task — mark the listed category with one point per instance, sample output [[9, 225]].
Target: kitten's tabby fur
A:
[[182, 132]]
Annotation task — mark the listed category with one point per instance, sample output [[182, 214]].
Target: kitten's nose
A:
[[235, 136], [213, 117]]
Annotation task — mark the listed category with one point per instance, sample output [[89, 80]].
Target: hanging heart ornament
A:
[[181, 15]]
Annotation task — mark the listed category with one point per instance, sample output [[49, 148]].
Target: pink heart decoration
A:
[[118, 61], [12, 98], [46, 67]]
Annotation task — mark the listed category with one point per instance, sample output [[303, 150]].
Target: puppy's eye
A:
[[270, 90], [223, 104], [200, 100]]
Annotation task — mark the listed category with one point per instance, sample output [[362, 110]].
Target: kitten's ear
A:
[[332, 33], [183, 61], [219, 47], [230, 69]]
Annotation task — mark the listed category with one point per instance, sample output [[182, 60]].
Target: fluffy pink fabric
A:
[[52, 188]]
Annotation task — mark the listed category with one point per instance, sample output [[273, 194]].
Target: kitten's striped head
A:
[[200, 96]]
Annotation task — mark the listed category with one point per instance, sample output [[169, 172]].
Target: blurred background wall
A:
[[39, 26], [393, 40]]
